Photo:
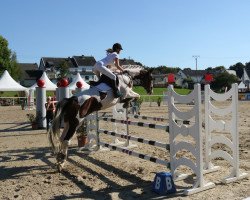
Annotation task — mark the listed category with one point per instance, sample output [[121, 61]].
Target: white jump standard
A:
[[230, 126], [174, 129]]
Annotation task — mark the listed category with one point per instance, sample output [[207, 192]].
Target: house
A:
[[82, 64], [129, 63], [245, 80], [85, 67], [233, 72], [160, 80], [30, 73], [194, 76]]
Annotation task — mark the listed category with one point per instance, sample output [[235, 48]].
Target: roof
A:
[[33, 74], [190, 72], [84, 60], [242, 85], [233, 72], [7, 83], [29, 70], [159, 75], [245, 76], [57, 62], [87, 73], [247, 71], [126, 61], [28, 66]]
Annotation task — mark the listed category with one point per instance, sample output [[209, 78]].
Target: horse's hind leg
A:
[[61, 156], [70, 124]]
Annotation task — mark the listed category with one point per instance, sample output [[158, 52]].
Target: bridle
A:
[[130, 82]]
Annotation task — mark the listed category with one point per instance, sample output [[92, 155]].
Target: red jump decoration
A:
[[40, 83], [79, 84]]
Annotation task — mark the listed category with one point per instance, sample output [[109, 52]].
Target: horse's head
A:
[[143, 77], [146, 80]]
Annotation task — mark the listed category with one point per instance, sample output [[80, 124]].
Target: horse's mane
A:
[[134, 71]]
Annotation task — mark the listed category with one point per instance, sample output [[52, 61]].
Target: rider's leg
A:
[[114, 86], [99, 67]]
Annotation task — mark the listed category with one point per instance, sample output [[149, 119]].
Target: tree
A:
[[165, 70], [239, 68], [63, 70], [209, 70], [15, 70], [223, 80], [247, 66], [219, 69], [8, 60]]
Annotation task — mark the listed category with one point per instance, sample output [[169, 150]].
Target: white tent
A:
[[72, 85], [7, 83], [48, 84]]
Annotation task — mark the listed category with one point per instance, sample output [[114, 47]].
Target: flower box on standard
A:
[[34, 119], [82, 136]]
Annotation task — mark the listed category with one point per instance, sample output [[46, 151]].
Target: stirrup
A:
[[117, 94]]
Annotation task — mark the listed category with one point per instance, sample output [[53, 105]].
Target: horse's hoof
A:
[[59, 168], [60, 157]]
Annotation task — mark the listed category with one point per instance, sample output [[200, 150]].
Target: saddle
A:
[[105, 79], [110, 82]]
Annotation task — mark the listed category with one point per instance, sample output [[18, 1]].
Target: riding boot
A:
[[116, 91]]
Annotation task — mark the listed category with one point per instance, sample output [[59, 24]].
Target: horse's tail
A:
[[54, 130]]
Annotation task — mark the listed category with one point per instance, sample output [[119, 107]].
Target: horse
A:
[[73, 110]]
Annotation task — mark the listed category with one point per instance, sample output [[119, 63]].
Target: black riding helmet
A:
[[117, 46]]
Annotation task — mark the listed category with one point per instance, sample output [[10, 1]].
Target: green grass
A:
[[138, 89], [21, 94], [9, 94], [159, 91]]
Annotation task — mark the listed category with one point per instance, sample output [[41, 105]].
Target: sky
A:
[[153, 32]]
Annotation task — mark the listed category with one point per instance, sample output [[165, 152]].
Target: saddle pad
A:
[[103, 87]]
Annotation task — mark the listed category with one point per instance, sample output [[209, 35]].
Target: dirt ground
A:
[[28, 171]]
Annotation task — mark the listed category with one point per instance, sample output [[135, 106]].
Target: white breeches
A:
[[100, 68]]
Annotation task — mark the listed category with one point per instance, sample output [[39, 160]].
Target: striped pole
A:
[[136, 139], [142, 124], [159, 119], [136, 154]]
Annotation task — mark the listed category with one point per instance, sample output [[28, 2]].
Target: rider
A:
[[101, 67]]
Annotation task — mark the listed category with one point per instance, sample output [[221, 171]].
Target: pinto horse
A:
[[73, 110]]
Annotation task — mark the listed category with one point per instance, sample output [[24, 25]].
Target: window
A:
[[86, 78]]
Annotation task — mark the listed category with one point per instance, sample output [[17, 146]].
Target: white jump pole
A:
[[78, 90], [40, 106], [57, 94], [63, 93]]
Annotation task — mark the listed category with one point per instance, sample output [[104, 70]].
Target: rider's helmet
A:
[[117, 46]]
